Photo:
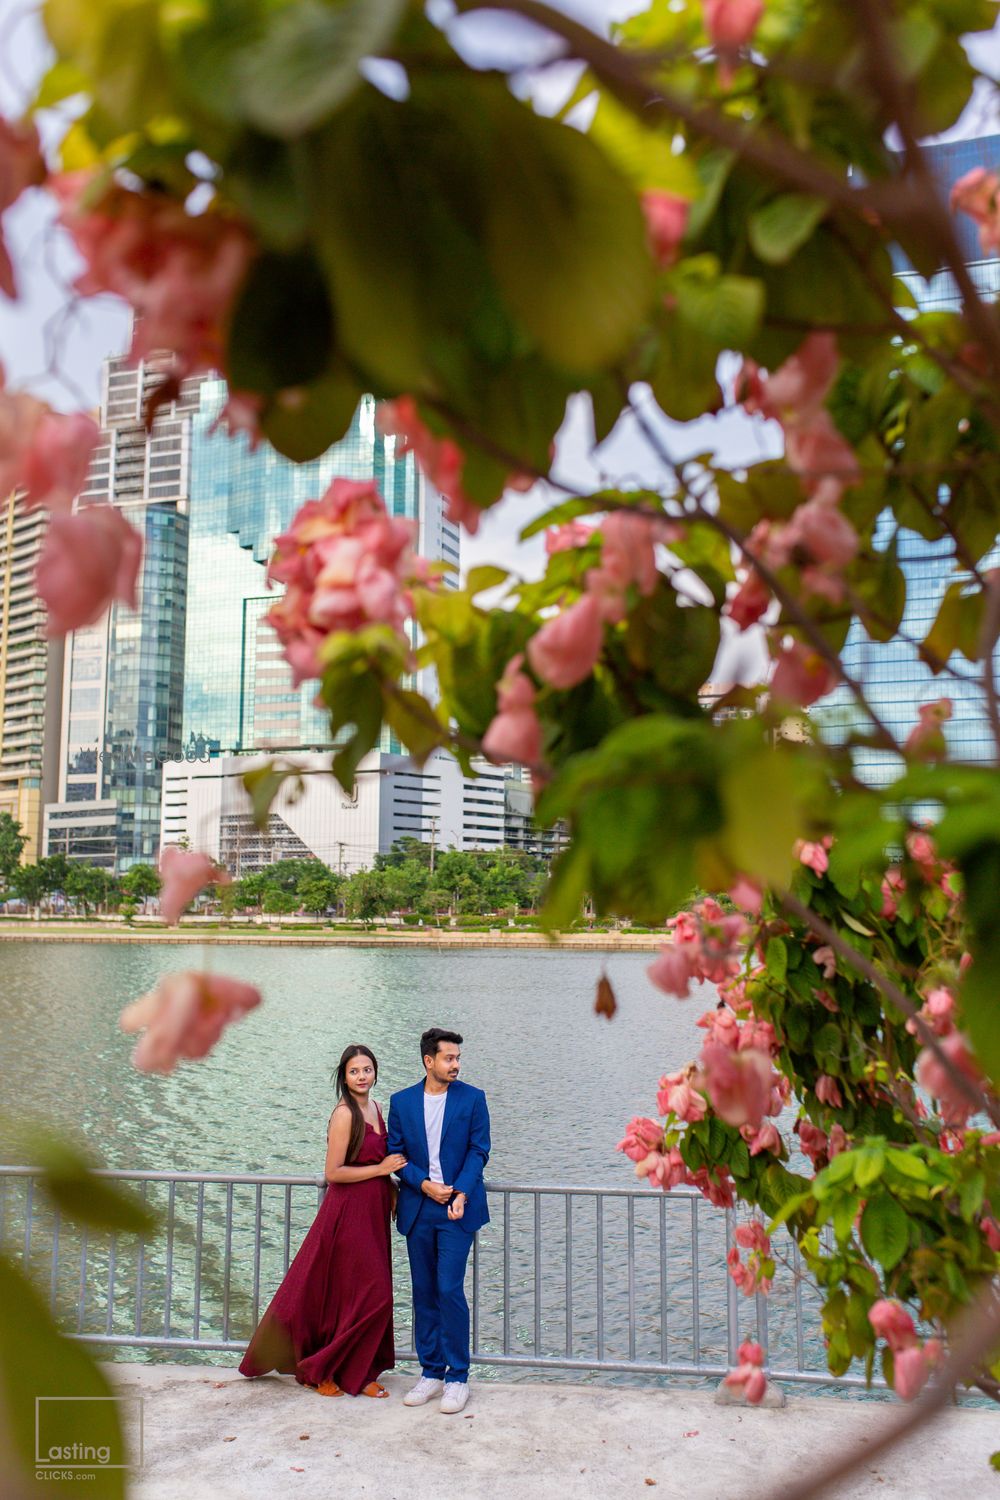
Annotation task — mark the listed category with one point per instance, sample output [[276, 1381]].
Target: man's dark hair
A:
[[432, 1039]]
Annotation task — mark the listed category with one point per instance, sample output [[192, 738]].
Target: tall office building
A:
[[195, 669], [30, 679], [895, 679]]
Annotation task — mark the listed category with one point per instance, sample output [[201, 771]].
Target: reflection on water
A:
[[561, 1083]]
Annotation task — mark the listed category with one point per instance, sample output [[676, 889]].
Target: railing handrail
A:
[[269, 1180]]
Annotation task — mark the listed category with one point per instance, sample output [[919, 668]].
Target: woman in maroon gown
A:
[[330, 1322]]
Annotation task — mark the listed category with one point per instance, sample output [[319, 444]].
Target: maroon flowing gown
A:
[[331, 1317]]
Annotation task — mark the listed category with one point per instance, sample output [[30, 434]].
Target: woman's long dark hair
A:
[[344, 1094]]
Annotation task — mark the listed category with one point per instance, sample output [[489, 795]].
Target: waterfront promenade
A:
[[55, 930], [211, 1433]]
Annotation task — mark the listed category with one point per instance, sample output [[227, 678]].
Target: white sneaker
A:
[[456, 1393], [422, 1392]]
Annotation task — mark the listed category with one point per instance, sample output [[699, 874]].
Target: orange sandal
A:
[[329, 1388], [374, 1389]]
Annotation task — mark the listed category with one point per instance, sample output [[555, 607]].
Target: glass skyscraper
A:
[[895, 679], [195, 669]]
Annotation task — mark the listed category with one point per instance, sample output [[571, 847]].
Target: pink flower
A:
[[816, 451], [813, 1141], [976, 195], [750, 601], [766, 1138], [891, 885], [738, 1083], [759, 1034], [87, 560], [820, 531], [641, 1136], [730, 25], [628, 557], [21, 166], [185, 873], [798, 388], [954, 1104], [911, 1368], [813, 856], [920, 847], [824, 957], [926, 741], [746, 894], [893, 1323], [991, 1230], [749, 1375], [565, 650], [674, 969], [440, 458], [180, 272], [54, 464], [664, 1170], [838, 1141], [184, 1016], [666, 220], [938, 1011], [752, 1236], [801, 675], [828, 1092], [685, 1102], [515, 733], [716, 1186], [346, 563], [565, 538], [242, 413], [722, 1027]]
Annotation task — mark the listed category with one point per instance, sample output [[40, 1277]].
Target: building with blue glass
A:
[[895, 678], [195, 669]]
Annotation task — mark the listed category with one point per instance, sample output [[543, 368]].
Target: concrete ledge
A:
[[212, 1435]]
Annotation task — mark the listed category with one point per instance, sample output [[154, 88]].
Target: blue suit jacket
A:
[[465, 1150]]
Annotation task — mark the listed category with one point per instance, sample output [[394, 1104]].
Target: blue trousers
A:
[[438, 1249]]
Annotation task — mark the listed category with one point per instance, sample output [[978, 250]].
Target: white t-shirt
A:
[[433, 1121]]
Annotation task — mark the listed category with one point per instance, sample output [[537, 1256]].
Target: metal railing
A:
[[618, 1280]]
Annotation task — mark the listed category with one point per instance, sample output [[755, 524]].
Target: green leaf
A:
[[643, 154], [304, 422], [264, 783], [485, 577], [565, 239], [415, 722], [675, 644], [869, 1166], [844, 1213], [764, 815], [281, 333], [970, 1195], [980, 868], [38, 1361], [782, 226], [777, 959], [957, 627], [306, 66], [885, 1231], [70, 1181], [908, 1164], [725, 309], [567, 510]]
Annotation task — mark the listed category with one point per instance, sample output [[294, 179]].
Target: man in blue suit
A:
[[442, 1127]]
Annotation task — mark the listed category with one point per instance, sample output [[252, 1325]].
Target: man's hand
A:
[[439, 1191], [456, 1208]]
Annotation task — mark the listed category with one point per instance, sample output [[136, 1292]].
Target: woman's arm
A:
[[338, 1140]]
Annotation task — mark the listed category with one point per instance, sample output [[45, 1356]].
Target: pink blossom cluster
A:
[[937, 1012], [742, 1085], [750, 1275], [815, 855], [184, 1017], [569, 535], [628, 558], [180, 272], [21, 166], [515, 733], [706, 945], [43, 453], [565, 650], [912, 1361], [748, 1375], [346, 563], [954, 1104], [183, 874], [666, 218], [978, 195], [926, 740], [819, 1147]]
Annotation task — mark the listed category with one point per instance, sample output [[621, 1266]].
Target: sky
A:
[[52, 342]]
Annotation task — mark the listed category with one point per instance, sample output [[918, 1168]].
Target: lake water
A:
[[561, 1082]]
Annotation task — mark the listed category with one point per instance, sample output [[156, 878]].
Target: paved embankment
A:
[[210, 1433], [570, 942]]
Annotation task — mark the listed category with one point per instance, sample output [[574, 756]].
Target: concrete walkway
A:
[[212, 1435]]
